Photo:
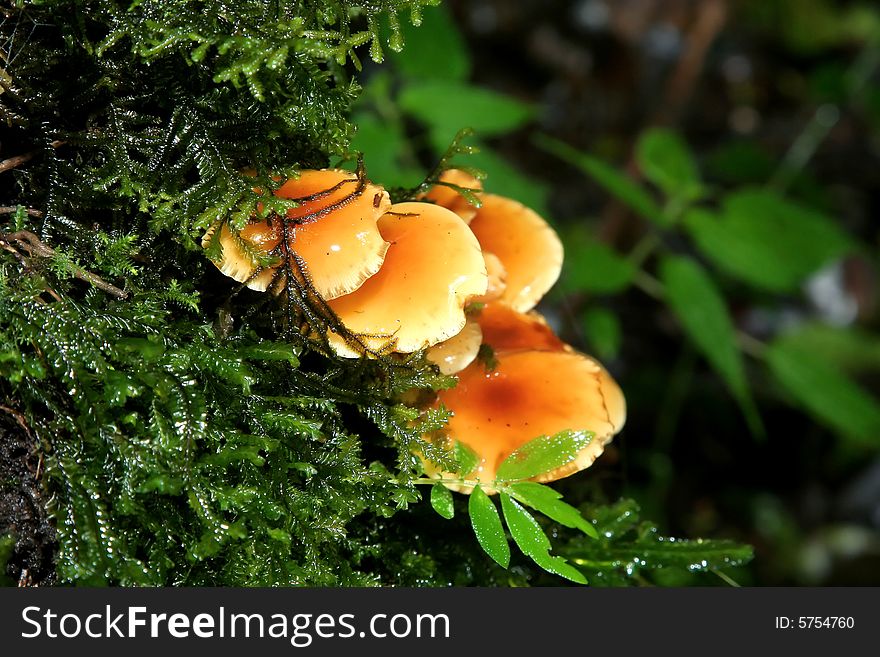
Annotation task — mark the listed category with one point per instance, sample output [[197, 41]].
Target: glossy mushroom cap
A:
[[433, 268], [526, 245], [530, 394], [450, 198], [332, 234], [536, 386]]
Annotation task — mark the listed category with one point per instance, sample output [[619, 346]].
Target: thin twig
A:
[[19, 418], [710, 19], [14, 208], [32, 244], [711, 16], [823, 121], [16, 161]]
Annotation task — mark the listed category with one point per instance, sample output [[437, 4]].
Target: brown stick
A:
[[711, 17], [13, 162], [11, 209], [32, 244], [18, 417], [18, 160]]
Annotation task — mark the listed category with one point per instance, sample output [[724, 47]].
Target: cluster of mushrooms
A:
[[441, 275]]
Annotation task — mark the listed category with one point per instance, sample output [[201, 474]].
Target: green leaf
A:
[[466, 458], [592, 266], [666, 161], [699, 306], [270, 351], [435, 49], [384, 146], [548, 501], [767, 241], [446, 106], [603, 332], [619, 185], [487, 527], [543, 454], [441, 500], [629, 546], [850, 349], [530, 538], [825, 392]]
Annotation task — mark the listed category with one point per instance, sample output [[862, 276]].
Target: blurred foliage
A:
[[631, 548], [755, 237], [410, 112], [721, 256]]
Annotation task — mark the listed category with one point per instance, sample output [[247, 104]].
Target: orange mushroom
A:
[[332, 234], [433, 268], [526, 245], [505, 329], [536, 386], [497, 278], [530, 394], [450, 198]]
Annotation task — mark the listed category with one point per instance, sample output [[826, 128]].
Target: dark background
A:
[[741, 82]]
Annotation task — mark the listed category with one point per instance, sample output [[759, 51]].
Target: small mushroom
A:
[[432, 269], [528, 394], [459, 351], [332, 235], [526, 245], [450, 198]]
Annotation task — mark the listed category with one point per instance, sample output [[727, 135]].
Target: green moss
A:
[[186, 443]]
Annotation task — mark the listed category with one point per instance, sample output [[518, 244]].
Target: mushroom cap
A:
[[530, 394], [459, 351], [450, 198], [528, 247], [339, 240], [505, 329], [432, 269], [238, 261], [333, 234]]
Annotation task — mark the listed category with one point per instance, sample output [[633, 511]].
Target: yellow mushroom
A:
[[505, 329], [526, 245], [332, 235], [535, 386], [497, 279], [450, 198], [432, 269], [459, 351]]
